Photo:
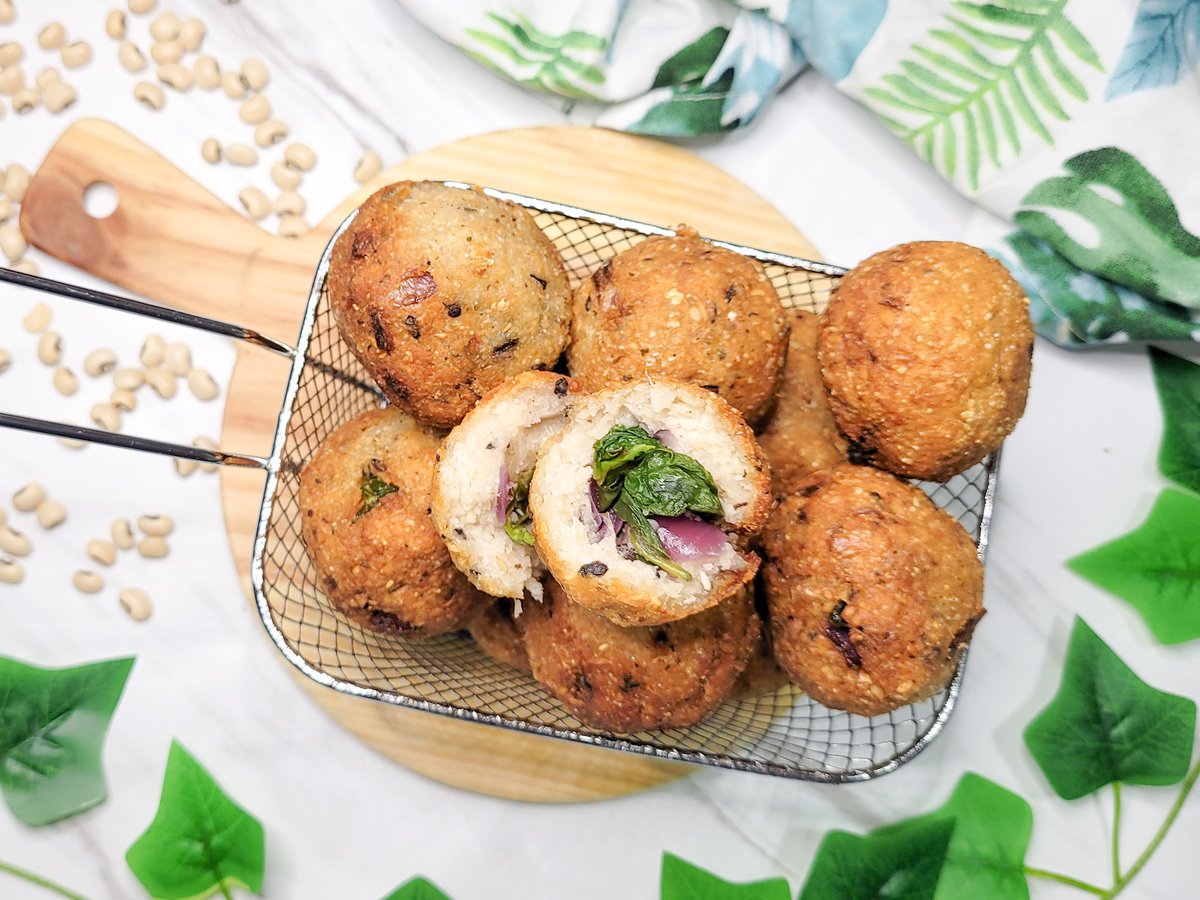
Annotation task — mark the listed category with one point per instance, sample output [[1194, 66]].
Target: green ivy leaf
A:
[[902, 861], [1105, 724], [51, 734], [417, 889], [986, 855], [683, 881], [1178, 383], [1156, 567], [200, 841]]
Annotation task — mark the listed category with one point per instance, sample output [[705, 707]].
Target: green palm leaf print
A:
[[983, 82], [532, 57]]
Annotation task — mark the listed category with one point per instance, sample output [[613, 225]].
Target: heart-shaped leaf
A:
[[52, 727], [1156, 567], [200, 841], [903, 861], [417, 889], [1178, 383], [683, 881], [986, 855], [1105, 724]]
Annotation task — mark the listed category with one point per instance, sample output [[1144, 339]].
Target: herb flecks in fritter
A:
[[516, 512], [373, 490]]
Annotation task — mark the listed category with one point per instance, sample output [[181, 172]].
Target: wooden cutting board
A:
[[171, 240]]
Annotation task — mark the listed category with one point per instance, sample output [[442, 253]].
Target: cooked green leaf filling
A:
[[637, 476], [516, 511], [373, 490]]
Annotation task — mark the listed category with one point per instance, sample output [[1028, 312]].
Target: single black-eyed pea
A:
[[154, 351], [65, 381], [52, 36], [149, 95], [202, 385], [102, 551], [255, 202], [123, 399], [368, 167], [47, 77], [300, 157], [254, 71], [162, 381], [136, 603], [153, 546], [14, 543], [106, 416], [255, 110], [38, 319], [87, 581], [167, 51], [100, 362], [233, 85], [114, 25], [131, 57], [141, 7], [192, 34], [293, 227], [11, 571], [165, 27], [241, 155], [270, 132], [12, 242], [122, 533], [157, 524], [207, 72], [179, 358], [285, 178], [289, 203], [211, 150], [58, 96], [51, 513], [26, 100], [129, 379], [177, 76], [77, 54], [28, 498], [49, 348]]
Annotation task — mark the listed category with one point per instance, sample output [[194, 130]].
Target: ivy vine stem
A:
[[1033, 872], [1116, 837], [41, 882]]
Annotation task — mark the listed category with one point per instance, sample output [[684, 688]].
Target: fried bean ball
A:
[[873, 592], [637, 679], [364, 502], [497, 635], [762, 674], [682, 307], [444, 293], [801, 435], [925, 349]]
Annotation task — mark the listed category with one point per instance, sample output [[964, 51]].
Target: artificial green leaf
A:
[[1178, 383], [200, 841], [1139, 241], [692, 62], [986, 855], [903, 863], [1156, 567], [417, 889], [52, 727], [1105, 724], [683, 881]]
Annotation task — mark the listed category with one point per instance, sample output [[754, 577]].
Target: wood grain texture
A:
[[175, 242]]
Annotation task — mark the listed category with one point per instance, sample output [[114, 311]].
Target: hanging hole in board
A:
[[100, 200]]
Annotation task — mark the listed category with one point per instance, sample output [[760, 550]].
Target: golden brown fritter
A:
[[443, 293], [497, 636], [762, 674], [385, 567], [636, 679], [683, 307], [873, 591], [925, 349], [801, 435]]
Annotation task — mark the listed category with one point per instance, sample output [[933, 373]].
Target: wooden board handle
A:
[[170, 239]]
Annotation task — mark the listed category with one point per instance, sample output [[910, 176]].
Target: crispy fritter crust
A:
[[682, 307], [388, 570], [443, 293], [497, 636], [800, 435], [925, 349], [908, 575], [637, 679]]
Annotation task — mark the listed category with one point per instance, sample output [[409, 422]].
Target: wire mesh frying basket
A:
[[785, 733]]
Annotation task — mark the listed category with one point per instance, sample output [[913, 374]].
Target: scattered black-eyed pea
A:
[[206, 443], [72, 443], [289, 203], [179, 358], [11, 571], [5, 209], [122, 533], [87, 581], [254, 71], [131, 57], [255, 202], [102, 551], [12, 242], [202, 385], [129, 379], [26, 100], [177, 76], [293, 227], [149, 95], [270, 132], [51, 514], [233, 85], [49, 348], [52, 36], [38, 319], [141, 7], [166, 51], [154, 351], [192, 34], [15, 543], [368, 167], [184, 467], [300, 157], [58, 96], [165, 27], [255, 110], [241, 155], [162, 381], [47, 77], [5, 360], [285, 178], [123, 399], [106, 416], [211, 150], [157, 524], [16, 182], [11, 52], [28, 266], [12, 79], [8, 12], [136, 602], [114, 25], [153, 546], [65, 381], [77, 54], [207, 72], [100, 362], [28, 498]]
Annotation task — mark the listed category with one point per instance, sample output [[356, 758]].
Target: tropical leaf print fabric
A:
[[1075, 120]]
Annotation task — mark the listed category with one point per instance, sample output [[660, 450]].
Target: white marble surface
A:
[[341, 821]]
